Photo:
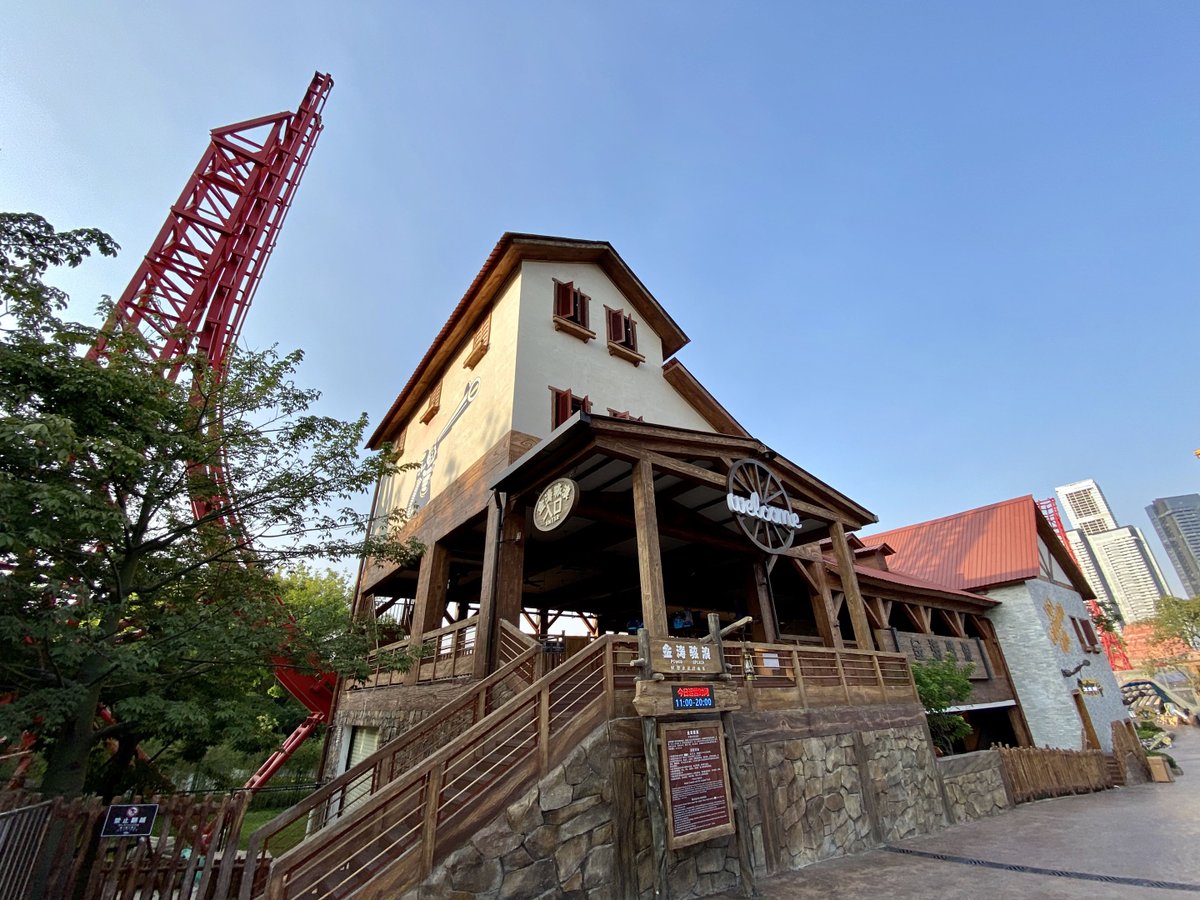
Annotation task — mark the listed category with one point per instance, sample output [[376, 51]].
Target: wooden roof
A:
[[510, 251], [587, 446]]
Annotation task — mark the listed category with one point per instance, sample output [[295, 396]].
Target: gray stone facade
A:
[[584, 829], [1036, 662], [974, 785]]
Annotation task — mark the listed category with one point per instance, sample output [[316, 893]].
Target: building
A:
[[1177, 521], [1010, 553], [567, 468], [1117, 561]]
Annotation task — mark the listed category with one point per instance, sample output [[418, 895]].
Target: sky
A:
[[939, 254]]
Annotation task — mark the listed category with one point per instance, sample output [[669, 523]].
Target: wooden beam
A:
[[854, 601], [954, 619], [824, 613], [429, 607], [645, 514]]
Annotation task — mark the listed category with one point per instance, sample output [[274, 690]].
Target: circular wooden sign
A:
[[555, 504], [760, 506]]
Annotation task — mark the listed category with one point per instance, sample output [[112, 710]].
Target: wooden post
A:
[[654, 800], [854, 600], [510, 571], [645, 514], [487, 634], [763, 609], [432, 580]]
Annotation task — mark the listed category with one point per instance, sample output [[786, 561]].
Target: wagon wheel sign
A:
[[761, 507]]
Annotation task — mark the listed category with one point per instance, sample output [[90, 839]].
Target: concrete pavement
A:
[[1133, 842]]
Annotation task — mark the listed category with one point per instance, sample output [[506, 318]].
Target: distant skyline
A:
[[939, 254]]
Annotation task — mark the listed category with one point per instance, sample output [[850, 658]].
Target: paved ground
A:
[[1140, 841]]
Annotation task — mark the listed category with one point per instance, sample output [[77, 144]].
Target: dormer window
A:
[[622, 335], [433, 405], [571, 310], [564, 404]]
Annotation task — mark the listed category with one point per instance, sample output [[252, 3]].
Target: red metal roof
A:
[[979, 548], [868, 574]]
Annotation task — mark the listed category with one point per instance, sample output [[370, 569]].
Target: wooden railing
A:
[[396, 835], [1035, 773], [411, 819], [819, 676], [445, 653], [354, 786]]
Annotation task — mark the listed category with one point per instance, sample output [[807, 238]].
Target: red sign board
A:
[[696, 780]]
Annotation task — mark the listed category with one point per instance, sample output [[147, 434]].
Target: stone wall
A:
[[584, 829], [974, 785]]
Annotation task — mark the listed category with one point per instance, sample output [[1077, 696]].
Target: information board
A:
[[696, 782], [129, 820]]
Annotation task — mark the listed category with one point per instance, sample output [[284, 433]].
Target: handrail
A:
[[397, 833], [425, 637], [462, 774], [381, 766]]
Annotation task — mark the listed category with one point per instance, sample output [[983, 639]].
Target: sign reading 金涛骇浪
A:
[[684, 657], [696, 782]]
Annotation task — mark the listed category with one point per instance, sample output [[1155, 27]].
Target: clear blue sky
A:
[[939, 254]]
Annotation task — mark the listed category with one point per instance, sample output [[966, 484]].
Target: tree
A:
[[1177, 620], [116, 597], [941, 684]]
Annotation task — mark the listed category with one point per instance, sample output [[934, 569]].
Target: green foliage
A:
[[1146, 730], [941, 684], [116, 596], [1177, 619]]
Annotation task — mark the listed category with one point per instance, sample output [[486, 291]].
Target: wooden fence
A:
[[191, 854], [1035, 773]]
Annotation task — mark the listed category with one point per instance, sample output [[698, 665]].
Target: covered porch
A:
[[651, 540]]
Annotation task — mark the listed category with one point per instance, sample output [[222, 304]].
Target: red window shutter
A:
[[562, 407], [581, 314], [564, 299], [1093, 641], [616, 326], [1079, 632], [631, 333]]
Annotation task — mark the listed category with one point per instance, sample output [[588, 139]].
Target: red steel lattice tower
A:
[[1113, 648], [191, 292]]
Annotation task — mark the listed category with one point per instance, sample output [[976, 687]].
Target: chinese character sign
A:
[[684, 657], [555, 504]]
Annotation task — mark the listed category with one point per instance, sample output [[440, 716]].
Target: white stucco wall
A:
[[1023, 625], [549, 358], [486, 420]]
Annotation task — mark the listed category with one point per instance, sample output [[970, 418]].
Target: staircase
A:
[[387, 821]]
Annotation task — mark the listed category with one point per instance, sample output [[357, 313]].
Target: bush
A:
[[941, 684]]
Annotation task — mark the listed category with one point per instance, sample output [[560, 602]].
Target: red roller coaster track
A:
[[192, 291]]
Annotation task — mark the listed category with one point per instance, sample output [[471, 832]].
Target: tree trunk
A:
[[67, 758]]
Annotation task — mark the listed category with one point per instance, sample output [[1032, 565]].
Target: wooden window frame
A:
[[1086, 634], [564, 404], [433, 404], [571, 310], [622, 335], [481, 340], [624, 414]]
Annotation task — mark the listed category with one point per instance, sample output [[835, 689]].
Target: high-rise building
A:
[[1117, 561], [1177, 521], [1086, 507]]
